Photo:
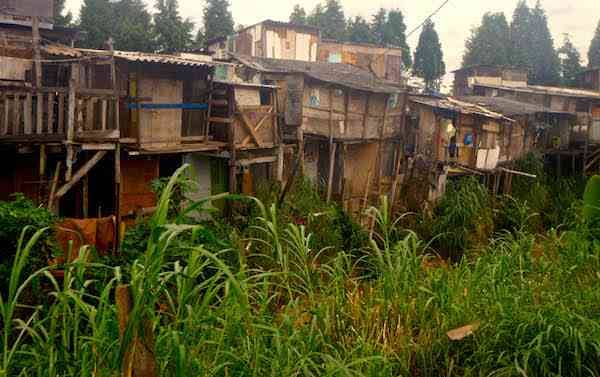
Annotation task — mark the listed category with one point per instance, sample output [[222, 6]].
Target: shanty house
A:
[[448, 130], [383, 61], [466, 78], [270, 39], [346, 123], [87, 131]]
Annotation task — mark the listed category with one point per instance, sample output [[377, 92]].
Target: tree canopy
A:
[[60, 17], [489, 43], [429, 59], [359, 31], [570, 66], [298, 15], [333, 24], [96, 18], [594, 51], [173, 33], [218, 20], [544, 58]]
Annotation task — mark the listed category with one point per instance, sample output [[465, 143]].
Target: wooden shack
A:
[[89, 130], [346, 124]]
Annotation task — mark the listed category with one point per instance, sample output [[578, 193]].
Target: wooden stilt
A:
[[332, 149]]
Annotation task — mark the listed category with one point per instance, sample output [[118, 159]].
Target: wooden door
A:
[[160, 127]]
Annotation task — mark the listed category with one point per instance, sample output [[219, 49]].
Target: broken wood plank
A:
[[515, 172], [84, 170], [17, 113]]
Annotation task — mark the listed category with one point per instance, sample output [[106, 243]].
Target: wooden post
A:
[[51, 206], [232, 146], [70, 130], [138, 359], [37, 57], [115, 87], [280, 162], [332, 149]]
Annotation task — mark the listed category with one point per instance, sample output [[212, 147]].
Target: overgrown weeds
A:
[[289, 304]]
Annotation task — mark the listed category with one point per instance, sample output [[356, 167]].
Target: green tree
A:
[[570, 66], [132, 28], [359, 30], [594, 51], [298, 16], [429, 59], [218, 20], [395, 35], [96, 19], [521, 36], [334, 21], [60, 17], [545, 62], [388, 28], [172, 32], [317, 17], [378, 25], [489, 44]]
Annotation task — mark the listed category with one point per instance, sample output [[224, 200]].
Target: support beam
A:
[[52, 197], [332, 149], [83, 171]]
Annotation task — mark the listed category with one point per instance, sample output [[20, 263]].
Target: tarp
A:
[[99, 233]]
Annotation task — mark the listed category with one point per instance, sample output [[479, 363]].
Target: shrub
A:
[[14, 217]]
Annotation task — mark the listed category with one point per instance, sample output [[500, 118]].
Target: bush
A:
[[15, 216]]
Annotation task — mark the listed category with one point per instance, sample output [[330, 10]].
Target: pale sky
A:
[[576, 17]]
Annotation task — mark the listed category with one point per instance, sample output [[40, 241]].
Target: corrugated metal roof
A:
[[546, 90], [146, 57], [509, 107], [458, 106], [333, 73], [61, 50], [188, 60]]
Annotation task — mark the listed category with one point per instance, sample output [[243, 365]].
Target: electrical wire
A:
[[428, 18]]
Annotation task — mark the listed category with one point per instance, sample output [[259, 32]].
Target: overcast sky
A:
[[576, 17]]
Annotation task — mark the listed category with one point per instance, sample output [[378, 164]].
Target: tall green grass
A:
[[288, 307]]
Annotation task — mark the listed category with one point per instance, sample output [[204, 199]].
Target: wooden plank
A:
[[27, 112], [39, 114], [5, 116], [248, 126], [221, 120], [103, 114], [256, 160], [53, 188], [51, 113], [83, 171], [17, 108], [366, 116], [89, 115], [70, 129], [258, 127], [60, 127]]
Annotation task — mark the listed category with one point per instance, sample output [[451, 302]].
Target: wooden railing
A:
[[43, 114]]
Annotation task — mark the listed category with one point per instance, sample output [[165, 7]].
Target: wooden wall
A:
[[349, 114]]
